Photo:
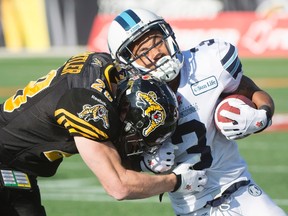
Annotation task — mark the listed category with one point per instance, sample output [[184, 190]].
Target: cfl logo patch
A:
[[254, 190]]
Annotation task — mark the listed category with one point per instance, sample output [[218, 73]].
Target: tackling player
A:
[[73, 110], [200, 76]]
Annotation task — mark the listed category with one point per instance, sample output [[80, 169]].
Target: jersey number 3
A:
[[201, 148]]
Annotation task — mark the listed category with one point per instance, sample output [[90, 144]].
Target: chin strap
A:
[[161, 197]]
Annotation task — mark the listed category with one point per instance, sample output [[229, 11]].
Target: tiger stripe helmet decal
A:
[[154, 111]]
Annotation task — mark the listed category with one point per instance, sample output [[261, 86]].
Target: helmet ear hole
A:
[[139, 124]]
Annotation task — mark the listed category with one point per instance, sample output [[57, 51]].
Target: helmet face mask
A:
[[128, 32], [125, 53], [151, 114], [134, 143]]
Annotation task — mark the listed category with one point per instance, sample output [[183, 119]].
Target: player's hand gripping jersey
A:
[[38, 123], [209, 70]]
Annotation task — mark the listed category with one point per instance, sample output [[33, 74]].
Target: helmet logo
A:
[[152, 109], [95, 113]]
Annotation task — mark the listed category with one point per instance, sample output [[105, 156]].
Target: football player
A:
[[200, 76], [74, 110]]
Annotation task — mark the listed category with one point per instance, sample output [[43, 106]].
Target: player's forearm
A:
[[143, 185], [118, 182], [261, 98]]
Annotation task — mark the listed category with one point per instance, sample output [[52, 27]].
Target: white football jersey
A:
[[211, 68]]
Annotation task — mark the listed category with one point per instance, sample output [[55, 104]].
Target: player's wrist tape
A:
[[268, 112], [268, 115], [178, 182]]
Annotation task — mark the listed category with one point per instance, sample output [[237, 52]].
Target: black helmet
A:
[[150, 113]]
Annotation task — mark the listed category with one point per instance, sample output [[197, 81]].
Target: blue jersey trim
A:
[[231, 62]]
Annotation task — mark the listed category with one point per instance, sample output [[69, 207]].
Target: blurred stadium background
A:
[[39, 35]]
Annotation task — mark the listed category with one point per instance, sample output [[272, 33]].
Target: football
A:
[[224, 105]]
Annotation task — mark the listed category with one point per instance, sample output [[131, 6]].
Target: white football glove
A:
[[161, 161], [249, 121], [188, 180]]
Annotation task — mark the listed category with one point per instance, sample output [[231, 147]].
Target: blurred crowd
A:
[[42, 24]]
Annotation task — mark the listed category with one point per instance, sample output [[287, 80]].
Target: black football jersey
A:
[[38, 123]]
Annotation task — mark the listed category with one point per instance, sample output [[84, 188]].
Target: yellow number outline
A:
[[32, 89], [99, 85]]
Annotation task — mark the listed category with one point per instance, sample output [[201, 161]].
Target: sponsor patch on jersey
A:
[[205, 85], [151, 108], [95, 113], [98, 100], [254, 190], [188, 110]]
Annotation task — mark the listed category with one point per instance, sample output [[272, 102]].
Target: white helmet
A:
[[129, 26]]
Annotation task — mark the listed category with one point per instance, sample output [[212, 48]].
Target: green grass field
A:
[[74, 191]]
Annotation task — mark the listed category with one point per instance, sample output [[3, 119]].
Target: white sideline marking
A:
[[268, 169], [85, 189], [78, 190]]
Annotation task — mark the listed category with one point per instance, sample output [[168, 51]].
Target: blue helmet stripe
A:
[[133, 15], [127, 19]]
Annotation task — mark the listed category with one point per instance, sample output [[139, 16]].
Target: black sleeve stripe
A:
[[76, 125], [228, 55], [231, 62]]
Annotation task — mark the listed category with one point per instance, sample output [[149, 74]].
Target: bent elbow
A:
[[119, 193]]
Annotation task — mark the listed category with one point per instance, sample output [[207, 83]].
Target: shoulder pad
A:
[[89, 114]]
